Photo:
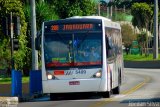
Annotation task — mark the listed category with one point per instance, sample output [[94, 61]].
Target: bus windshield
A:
[[72, 49]]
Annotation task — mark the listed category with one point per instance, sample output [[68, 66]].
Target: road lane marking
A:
[[131, 90], [136, 87], [101, 103]]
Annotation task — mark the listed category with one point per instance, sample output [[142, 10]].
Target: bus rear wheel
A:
[[116, 90], [106, 94]]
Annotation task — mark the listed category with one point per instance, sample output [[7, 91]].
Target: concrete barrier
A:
[[142, 64], [8, 101]]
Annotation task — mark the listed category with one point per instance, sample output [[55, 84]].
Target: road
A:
[[141, 87]]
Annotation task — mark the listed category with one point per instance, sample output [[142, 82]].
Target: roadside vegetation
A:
[[138, 57], [8, 80]]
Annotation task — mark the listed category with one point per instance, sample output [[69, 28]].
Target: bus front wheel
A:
[[53, 96]]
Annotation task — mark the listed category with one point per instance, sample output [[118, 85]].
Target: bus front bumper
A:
[[74, 85]]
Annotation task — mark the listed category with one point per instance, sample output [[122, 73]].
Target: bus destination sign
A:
[[71, 27]]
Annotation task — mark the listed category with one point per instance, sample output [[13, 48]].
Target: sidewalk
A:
[[8, 101], [5, 92]]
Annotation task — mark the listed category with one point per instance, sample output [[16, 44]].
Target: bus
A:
[[81, 54]]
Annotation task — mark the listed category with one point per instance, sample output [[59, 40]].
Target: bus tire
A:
[[116, 90], [53, 96], [106, 94]]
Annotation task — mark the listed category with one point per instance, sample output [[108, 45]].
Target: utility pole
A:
[[111, 7], [159, 35], [124, 8], [115, 11], [155, 48], [11, 39], [108, 12], [99, 8], [33, 33]]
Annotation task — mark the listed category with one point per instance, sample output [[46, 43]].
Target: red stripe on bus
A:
[[57, 64], [59, 72]]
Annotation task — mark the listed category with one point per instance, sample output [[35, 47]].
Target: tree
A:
[[44, 12], [119, 16], [127, 34], [68, 8], [14, 6], [142, 15], [5, 54], [142, 18], [142, 38]]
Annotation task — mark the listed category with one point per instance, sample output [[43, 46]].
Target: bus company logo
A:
[[68, 72], [54, 27]]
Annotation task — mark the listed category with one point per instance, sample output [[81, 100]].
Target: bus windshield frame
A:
[[72, 45]]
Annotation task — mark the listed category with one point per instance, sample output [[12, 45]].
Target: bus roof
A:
[[107, 22], [89, 17]]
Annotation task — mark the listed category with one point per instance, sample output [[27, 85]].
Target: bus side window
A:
[[108, 47]]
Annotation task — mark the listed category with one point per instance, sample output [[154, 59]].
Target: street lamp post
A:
[[33, 33], [155, 47]]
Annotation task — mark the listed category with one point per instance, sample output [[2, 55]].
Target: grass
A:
[[8, 80], [138, 57]]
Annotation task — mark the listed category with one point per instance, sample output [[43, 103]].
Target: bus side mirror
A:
[[38, 41]]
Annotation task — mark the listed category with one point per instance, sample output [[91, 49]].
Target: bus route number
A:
[[80, 71]]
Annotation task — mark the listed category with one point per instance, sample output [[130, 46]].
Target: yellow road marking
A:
[[136, 87], [101, 103]]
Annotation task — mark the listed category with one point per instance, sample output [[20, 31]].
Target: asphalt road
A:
[[141, 88]]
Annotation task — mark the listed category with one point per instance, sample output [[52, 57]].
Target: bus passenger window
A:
[[107, 47], [109, 50]]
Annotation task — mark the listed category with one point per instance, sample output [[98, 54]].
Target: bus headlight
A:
[[49, 76], [97, 74]]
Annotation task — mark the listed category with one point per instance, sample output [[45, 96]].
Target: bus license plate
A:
[[74, 83]]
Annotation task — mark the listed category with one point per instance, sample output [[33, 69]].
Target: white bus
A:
[[81, 54]]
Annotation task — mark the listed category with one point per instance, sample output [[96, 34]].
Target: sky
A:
[[106, 0], [103, 0]]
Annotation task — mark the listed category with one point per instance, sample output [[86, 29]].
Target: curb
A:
[[142, 64], [8, 101], [27, 98]]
